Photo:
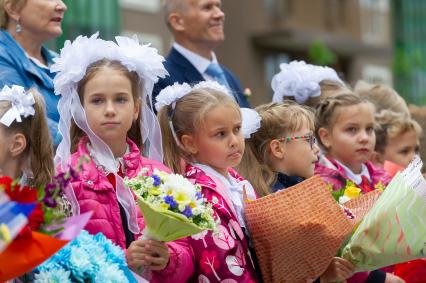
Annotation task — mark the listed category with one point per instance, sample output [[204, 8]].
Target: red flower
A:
[[36, 218], [16, 192]]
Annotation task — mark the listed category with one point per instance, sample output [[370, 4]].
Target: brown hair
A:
[[39, 143], [327, 111], [4, 17], [187, 117], [392, 124], [382, 96], [135, 131], [278, 120], [419, 114]]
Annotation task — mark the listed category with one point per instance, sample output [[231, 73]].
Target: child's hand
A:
[[148, 253], [390, 278], [339, 269]]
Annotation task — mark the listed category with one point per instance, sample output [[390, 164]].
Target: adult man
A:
[[197, 27]]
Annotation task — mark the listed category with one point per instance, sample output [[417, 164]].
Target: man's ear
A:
[[18, 144], [176, 21], [277, 149], [324, 136], [188, 142]]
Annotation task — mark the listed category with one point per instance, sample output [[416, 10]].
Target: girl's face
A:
[[401, 149], [300, 152], [351, 139], [109, 105], [219, 142]]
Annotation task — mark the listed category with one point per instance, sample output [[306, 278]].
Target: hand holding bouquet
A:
[[172, 206]]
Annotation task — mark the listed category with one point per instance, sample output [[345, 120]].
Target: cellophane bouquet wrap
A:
[[171, 205], [394, 230], [297, 231]]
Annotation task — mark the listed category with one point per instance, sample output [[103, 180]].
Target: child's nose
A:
[[110, 109]]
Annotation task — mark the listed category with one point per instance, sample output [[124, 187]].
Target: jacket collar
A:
[[189, 71], [94, 175], [285, 181]]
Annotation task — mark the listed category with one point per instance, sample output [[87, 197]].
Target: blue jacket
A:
[[16, 68], [182, 71]]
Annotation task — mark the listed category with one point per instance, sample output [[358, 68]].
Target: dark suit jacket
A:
[[182, 71]]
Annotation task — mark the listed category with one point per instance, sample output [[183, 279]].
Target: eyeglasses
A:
[[310, 138]]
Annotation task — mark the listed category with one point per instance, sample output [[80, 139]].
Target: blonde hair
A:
[[278, 120], [382, 96], [393, 124], [327, 111], [187, 117], [39, 143], [135, 131], [4, 17]]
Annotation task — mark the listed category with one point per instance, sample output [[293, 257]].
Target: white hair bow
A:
[[22, 104]]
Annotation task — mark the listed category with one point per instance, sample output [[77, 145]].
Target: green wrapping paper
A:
[[164, 225], [394, 230]]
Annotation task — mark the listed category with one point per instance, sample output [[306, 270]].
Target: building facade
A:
[[352, 36]]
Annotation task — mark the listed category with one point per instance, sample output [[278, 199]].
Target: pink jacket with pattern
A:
[[332, 173], [95, 192], [225, 257]]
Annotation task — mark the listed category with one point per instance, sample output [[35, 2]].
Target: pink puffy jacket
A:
[[95, 192]]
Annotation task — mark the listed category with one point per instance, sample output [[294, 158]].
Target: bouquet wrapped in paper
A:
[[394, 230], [47, 230], [172, 207], [297, 231]]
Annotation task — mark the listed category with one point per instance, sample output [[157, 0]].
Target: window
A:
[[375, 21], [272, 66], [151, 6]]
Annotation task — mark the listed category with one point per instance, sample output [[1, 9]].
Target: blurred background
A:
[[380, 41]]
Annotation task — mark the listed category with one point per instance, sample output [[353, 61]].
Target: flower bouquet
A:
[[87, 258], [47, 230], [172, 206], [297, 231], [394, 230]]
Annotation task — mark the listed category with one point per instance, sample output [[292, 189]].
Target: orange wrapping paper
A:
[[24, 254], [296, 232]]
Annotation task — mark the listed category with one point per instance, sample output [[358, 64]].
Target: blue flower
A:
[[170, 201], [57, 275], [157, 180], [199, 195], [110, 273], [188, 211]]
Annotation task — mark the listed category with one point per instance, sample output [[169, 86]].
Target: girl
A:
[[105, 101], [282, 154], [305, 83], [202, 126], [397, 138], [345, 131], [26, 150]]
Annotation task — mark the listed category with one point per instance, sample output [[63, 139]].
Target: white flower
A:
[[343, 199], [22, 104], [213, 85]]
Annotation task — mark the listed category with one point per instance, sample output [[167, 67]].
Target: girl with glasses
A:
[[281, 154]]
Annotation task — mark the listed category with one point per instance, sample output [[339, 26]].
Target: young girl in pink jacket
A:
[[345, 131], [202, 127], [104, 87]]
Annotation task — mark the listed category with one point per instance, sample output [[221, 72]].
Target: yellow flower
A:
[[352, 192], [379, 186], [155, 191]]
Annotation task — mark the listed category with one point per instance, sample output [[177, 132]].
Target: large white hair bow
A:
[[22, 104], [301, 81]]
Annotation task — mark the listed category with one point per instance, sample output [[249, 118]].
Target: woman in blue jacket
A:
[[25, 25]]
